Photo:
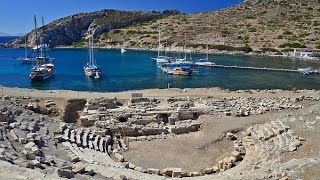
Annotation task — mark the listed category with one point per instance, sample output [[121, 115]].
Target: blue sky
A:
[[17, 15]]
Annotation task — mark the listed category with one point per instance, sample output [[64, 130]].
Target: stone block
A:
[[176, 174], [169, 170], [119, 157], [194, 174], [132, 166], [79, 168], [208, 171], [153, 171]]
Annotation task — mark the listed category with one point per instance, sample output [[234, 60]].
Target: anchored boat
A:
[[43, 68], [91, 69]]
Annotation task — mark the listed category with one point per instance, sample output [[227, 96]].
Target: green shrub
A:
[[246, 49], [116, 31], [292, 45], [81, 42], [287, 33], [252, 29]]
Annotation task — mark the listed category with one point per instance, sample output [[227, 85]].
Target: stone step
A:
[[72, 136], [78, 137], [66, 134]]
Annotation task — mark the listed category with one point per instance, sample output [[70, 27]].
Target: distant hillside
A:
[[4, 34], [263, 25], [73, 29]]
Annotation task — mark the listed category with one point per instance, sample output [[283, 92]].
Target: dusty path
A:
[[157, 93]]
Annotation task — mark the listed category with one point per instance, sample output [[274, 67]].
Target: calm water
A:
[[135, 70], [5, 39]]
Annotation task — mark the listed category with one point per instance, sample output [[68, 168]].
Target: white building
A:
[[305, 52]]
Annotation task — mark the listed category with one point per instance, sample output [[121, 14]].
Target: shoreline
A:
[[179, 50], [153, 93]]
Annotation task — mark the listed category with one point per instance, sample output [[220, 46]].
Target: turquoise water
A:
[[135, 70]]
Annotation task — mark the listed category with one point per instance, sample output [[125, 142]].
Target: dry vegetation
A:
[[263, 26]]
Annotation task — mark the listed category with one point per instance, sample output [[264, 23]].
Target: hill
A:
[[272, 26], [262, 25], [75, 28]]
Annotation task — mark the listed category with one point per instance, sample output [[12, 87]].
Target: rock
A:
[[132, 166], [231, 136], [153, 171], [22, 140], [35, 163], [236, 154], [119, 157], [79, 167], [215, 169], [208, 171], [176, 174], [169, 170], [139, 169], [65, 173], [29, 145], [194, 174], [75, 158], [126, 165]]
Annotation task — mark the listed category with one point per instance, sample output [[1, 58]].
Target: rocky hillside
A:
[[262, 25], [71, 29]]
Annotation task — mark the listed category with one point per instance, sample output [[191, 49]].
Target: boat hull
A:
[[41, 77]]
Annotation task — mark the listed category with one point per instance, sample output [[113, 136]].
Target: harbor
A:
[[135, 70]]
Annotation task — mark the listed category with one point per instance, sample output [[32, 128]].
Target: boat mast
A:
[[159, 43], [208, 49], [93, 60], [43, 49], [25, 47], [184, 48], [36, 31]]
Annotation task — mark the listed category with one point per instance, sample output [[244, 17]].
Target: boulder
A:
[[65, 173]]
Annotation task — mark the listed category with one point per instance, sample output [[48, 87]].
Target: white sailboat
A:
[[91, 69], [43, 69], [183, 60], [26, 59], [159, 58], [205, 62]]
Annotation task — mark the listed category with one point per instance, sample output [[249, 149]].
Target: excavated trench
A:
[[71, 114]]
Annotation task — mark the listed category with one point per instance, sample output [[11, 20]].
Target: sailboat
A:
[[26, 59], [184, 61], [43, 69], [205, 62], [91, 69], [159, 58]]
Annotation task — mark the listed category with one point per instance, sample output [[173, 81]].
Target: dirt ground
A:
[[193, 151]]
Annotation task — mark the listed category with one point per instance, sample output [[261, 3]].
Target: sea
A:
[[5, 39], [134, 70]]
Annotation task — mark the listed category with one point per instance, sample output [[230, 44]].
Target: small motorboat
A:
[[123, 51], [307, 71], [183, 70]]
